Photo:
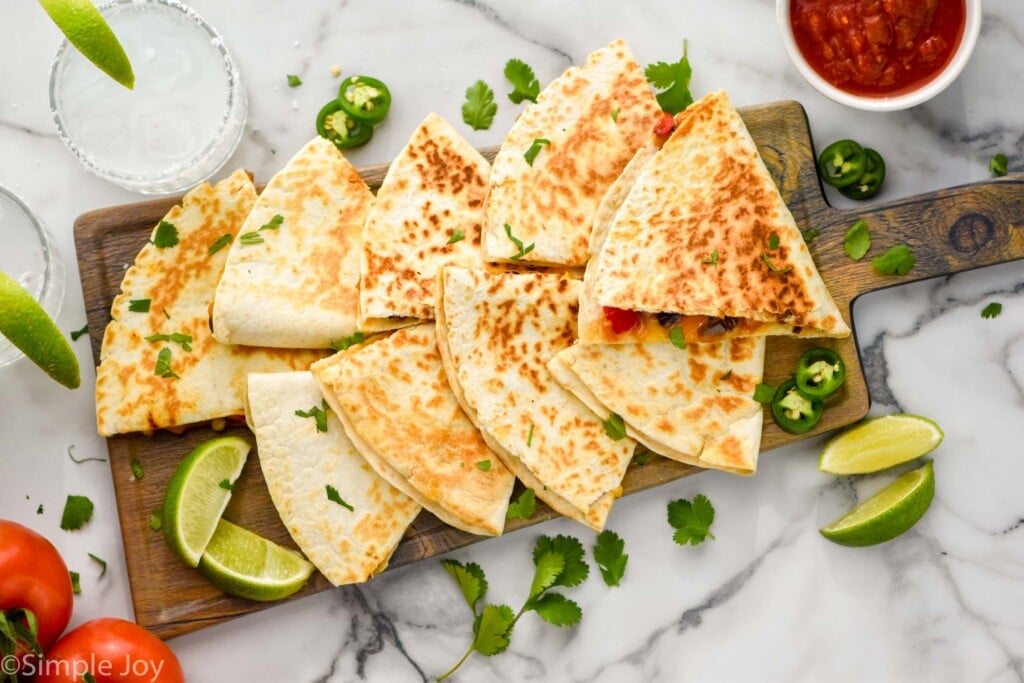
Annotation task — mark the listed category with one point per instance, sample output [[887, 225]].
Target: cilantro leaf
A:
[[609, 557], [998, 165], [318, 413], [335, 497], [491, 629], [294, 81], [185, 340], [615, 115], [163, 364], [614, 427], [673, 80], [896, 260], [483, 465], [222, 241], [764, 393], [457, 236], [576, 568], [75, 334], [641, 455], [557, 609], [810, 234], [274, 223], [101, 562], [136, 468], [523, 251], [675, 335], [77, 513], [139, 305], [711, 260], [344, 344], [691, 520], [156, 519], [523, 507], [39, 510], [549, 566], [479, 108], [470, 579], [524, 82], [773, 242], [250, 238], [166, 235], [857, 241], [226, 484], [76, 586], [992, 310], [534, 150]]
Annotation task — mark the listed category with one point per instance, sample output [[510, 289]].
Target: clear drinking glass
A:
[[27, 255], [182, 121]]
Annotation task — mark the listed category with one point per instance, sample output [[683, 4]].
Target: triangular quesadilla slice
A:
[[159, 363], [496, 333], [344, 518], [393, 398], [292, 275], [428, 214], [704, 245], [562, 154]]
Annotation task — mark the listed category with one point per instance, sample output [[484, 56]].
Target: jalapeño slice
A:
[[794, 412], [345, 132], [871, 182], [842, 163], [820, 372], [365, 99]]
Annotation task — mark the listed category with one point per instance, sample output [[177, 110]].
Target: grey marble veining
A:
[[769, 600]]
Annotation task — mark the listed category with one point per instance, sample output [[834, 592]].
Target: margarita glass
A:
[[182, 121]]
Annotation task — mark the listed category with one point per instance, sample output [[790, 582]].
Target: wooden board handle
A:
[[949, 231]]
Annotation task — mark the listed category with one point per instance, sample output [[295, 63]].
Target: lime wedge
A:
[[245, 564], [195, 499], [86, 29], [879, 443], [29, 327], [888, 513]]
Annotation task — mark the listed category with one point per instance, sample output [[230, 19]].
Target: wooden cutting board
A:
[[949, 231]]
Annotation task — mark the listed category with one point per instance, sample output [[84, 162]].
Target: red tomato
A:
[[621, 320], [665, 125], [112, 651], [33, 577]]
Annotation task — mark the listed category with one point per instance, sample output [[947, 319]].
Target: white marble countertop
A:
[[769, 600]]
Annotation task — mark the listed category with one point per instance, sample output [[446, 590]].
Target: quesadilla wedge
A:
[[428, 214], [583, 129], [496, 332], [704, 243], [160, 366], [292, 275], [344, 518], [394, 400]]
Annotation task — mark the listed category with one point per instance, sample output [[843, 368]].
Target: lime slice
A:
[[24, 322], [86, 29], [242, 563], [879, 443], [195, 499], [888, 513]]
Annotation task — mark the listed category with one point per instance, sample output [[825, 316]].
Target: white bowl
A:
[[904, 100]]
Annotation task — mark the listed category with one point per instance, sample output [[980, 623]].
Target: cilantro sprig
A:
[[524, 83], [318, 413], [610, 558], [531, 154], [673, 80], [614, 427], [558, 562], [479, 108], [691, 520], [166, 235], [522, 507], [255, 237], [335, 497]]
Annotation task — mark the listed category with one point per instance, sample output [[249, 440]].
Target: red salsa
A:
[[878, 47]]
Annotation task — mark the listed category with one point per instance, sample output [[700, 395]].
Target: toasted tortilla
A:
[[695, 236], [594, 118], [176, 285], [496, 332], [393, 398], [296, 284], [428, 214], [299, 462]]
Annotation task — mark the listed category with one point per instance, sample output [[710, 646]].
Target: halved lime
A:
[[879, 443], [245, 564], [888, 513], [86, 29], [29, 327], [195, 499]]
